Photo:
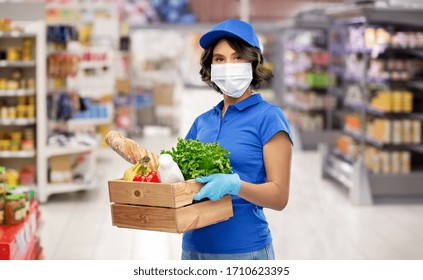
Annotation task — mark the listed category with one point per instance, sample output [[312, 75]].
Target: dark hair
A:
[[261, 74]]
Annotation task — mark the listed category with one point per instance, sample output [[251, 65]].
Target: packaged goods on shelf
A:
[[306, 99], [60, 169], [387, 162], [14, 201], [353, 122], [2, 203], [393, 69], [403, 131], [376, 70], [393, 101], [2, 192], [347, 146], [20, 241], [367, 38], [309, 100], [305, 122]]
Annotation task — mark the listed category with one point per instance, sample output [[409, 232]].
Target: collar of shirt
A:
[[244, 104]]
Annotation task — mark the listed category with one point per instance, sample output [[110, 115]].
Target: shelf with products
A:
[[306, 99], [88, 38], [376, 67], [155, 81], [17, 92], [64, 101], [22, 88], [18, 215], [21, 241]]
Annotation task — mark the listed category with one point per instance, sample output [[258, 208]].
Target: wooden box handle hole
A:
[[137, 193]]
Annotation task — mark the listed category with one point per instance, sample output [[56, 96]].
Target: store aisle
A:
[[318, 223]]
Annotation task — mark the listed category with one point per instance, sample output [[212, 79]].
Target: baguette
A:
[[129, 149]]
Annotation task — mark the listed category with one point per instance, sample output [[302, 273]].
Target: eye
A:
[[238, 57], [218, 59]]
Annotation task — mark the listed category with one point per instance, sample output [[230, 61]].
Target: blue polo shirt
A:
[[246, 127]]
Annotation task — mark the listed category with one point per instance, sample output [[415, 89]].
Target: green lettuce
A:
[[195, 158]]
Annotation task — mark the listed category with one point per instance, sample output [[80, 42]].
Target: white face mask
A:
[[233, 79]]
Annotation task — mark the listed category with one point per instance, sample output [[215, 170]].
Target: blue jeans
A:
[[265, 253]]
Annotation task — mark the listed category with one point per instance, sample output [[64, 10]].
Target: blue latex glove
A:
[[217, 185]]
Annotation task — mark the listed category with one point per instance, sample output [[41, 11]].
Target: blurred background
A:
[[347, 74]]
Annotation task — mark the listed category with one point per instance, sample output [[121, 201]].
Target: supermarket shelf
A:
[[22, 122], [91, 121], [16, 34], [416, 84], [336, 176], [359, 106], [79, 122], [19, 92], [96, 93], [94, 64], [306, 87], [378, 144], [310, 140], [389, 15], [383, 185], [336, 167], [18, 154], [52, 151], [53, 188], [366, 188], [61, 52], [57, 188], [303, 107], [298, 48], [344, 157], [4, 63]]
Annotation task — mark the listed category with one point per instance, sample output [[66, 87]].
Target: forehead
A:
[[223, 47]]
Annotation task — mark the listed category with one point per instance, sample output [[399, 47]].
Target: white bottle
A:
[[168, 170]]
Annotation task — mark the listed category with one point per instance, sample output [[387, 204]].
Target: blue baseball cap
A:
[[231, 28]]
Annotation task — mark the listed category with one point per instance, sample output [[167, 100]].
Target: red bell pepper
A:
[[140, 178], [153, 177]]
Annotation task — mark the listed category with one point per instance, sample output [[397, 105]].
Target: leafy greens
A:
[[195, 158]]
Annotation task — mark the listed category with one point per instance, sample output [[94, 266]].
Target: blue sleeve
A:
[[192, 133], [273, 121]]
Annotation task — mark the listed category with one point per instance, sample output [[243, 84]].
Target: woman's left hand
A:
[[217, 185]]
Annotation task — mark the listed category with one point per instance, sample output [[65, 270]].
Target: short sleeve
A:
[[192, 133], [273, 121]]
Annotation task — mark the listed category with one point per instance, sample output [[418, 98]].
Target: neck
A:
[[231, 101]]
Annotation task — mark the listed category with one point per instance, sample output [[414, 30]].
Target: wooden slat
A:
[[171, 220], [184, 192], [203, 214], [144, 217], [153, 194]]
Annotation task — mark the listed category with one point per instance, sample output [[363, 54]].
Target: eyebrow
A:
[[218, 54]]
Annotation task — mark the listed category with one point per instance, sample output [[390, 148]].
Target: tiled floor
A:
[[319, 222]]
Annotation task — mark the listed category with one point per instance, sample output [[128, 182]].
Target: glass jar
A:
[[1, 210], [22, 201], [23, 193], [12, 210], [2, 174]]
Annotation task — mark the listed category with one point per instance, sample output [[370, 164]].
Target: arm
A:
[[274, 193]]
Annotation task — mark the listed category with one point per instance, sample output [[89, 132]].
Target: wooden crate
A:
[[164, 207]]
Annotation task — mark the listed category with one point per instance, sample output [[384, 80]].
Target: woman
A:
[[257, 135]]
